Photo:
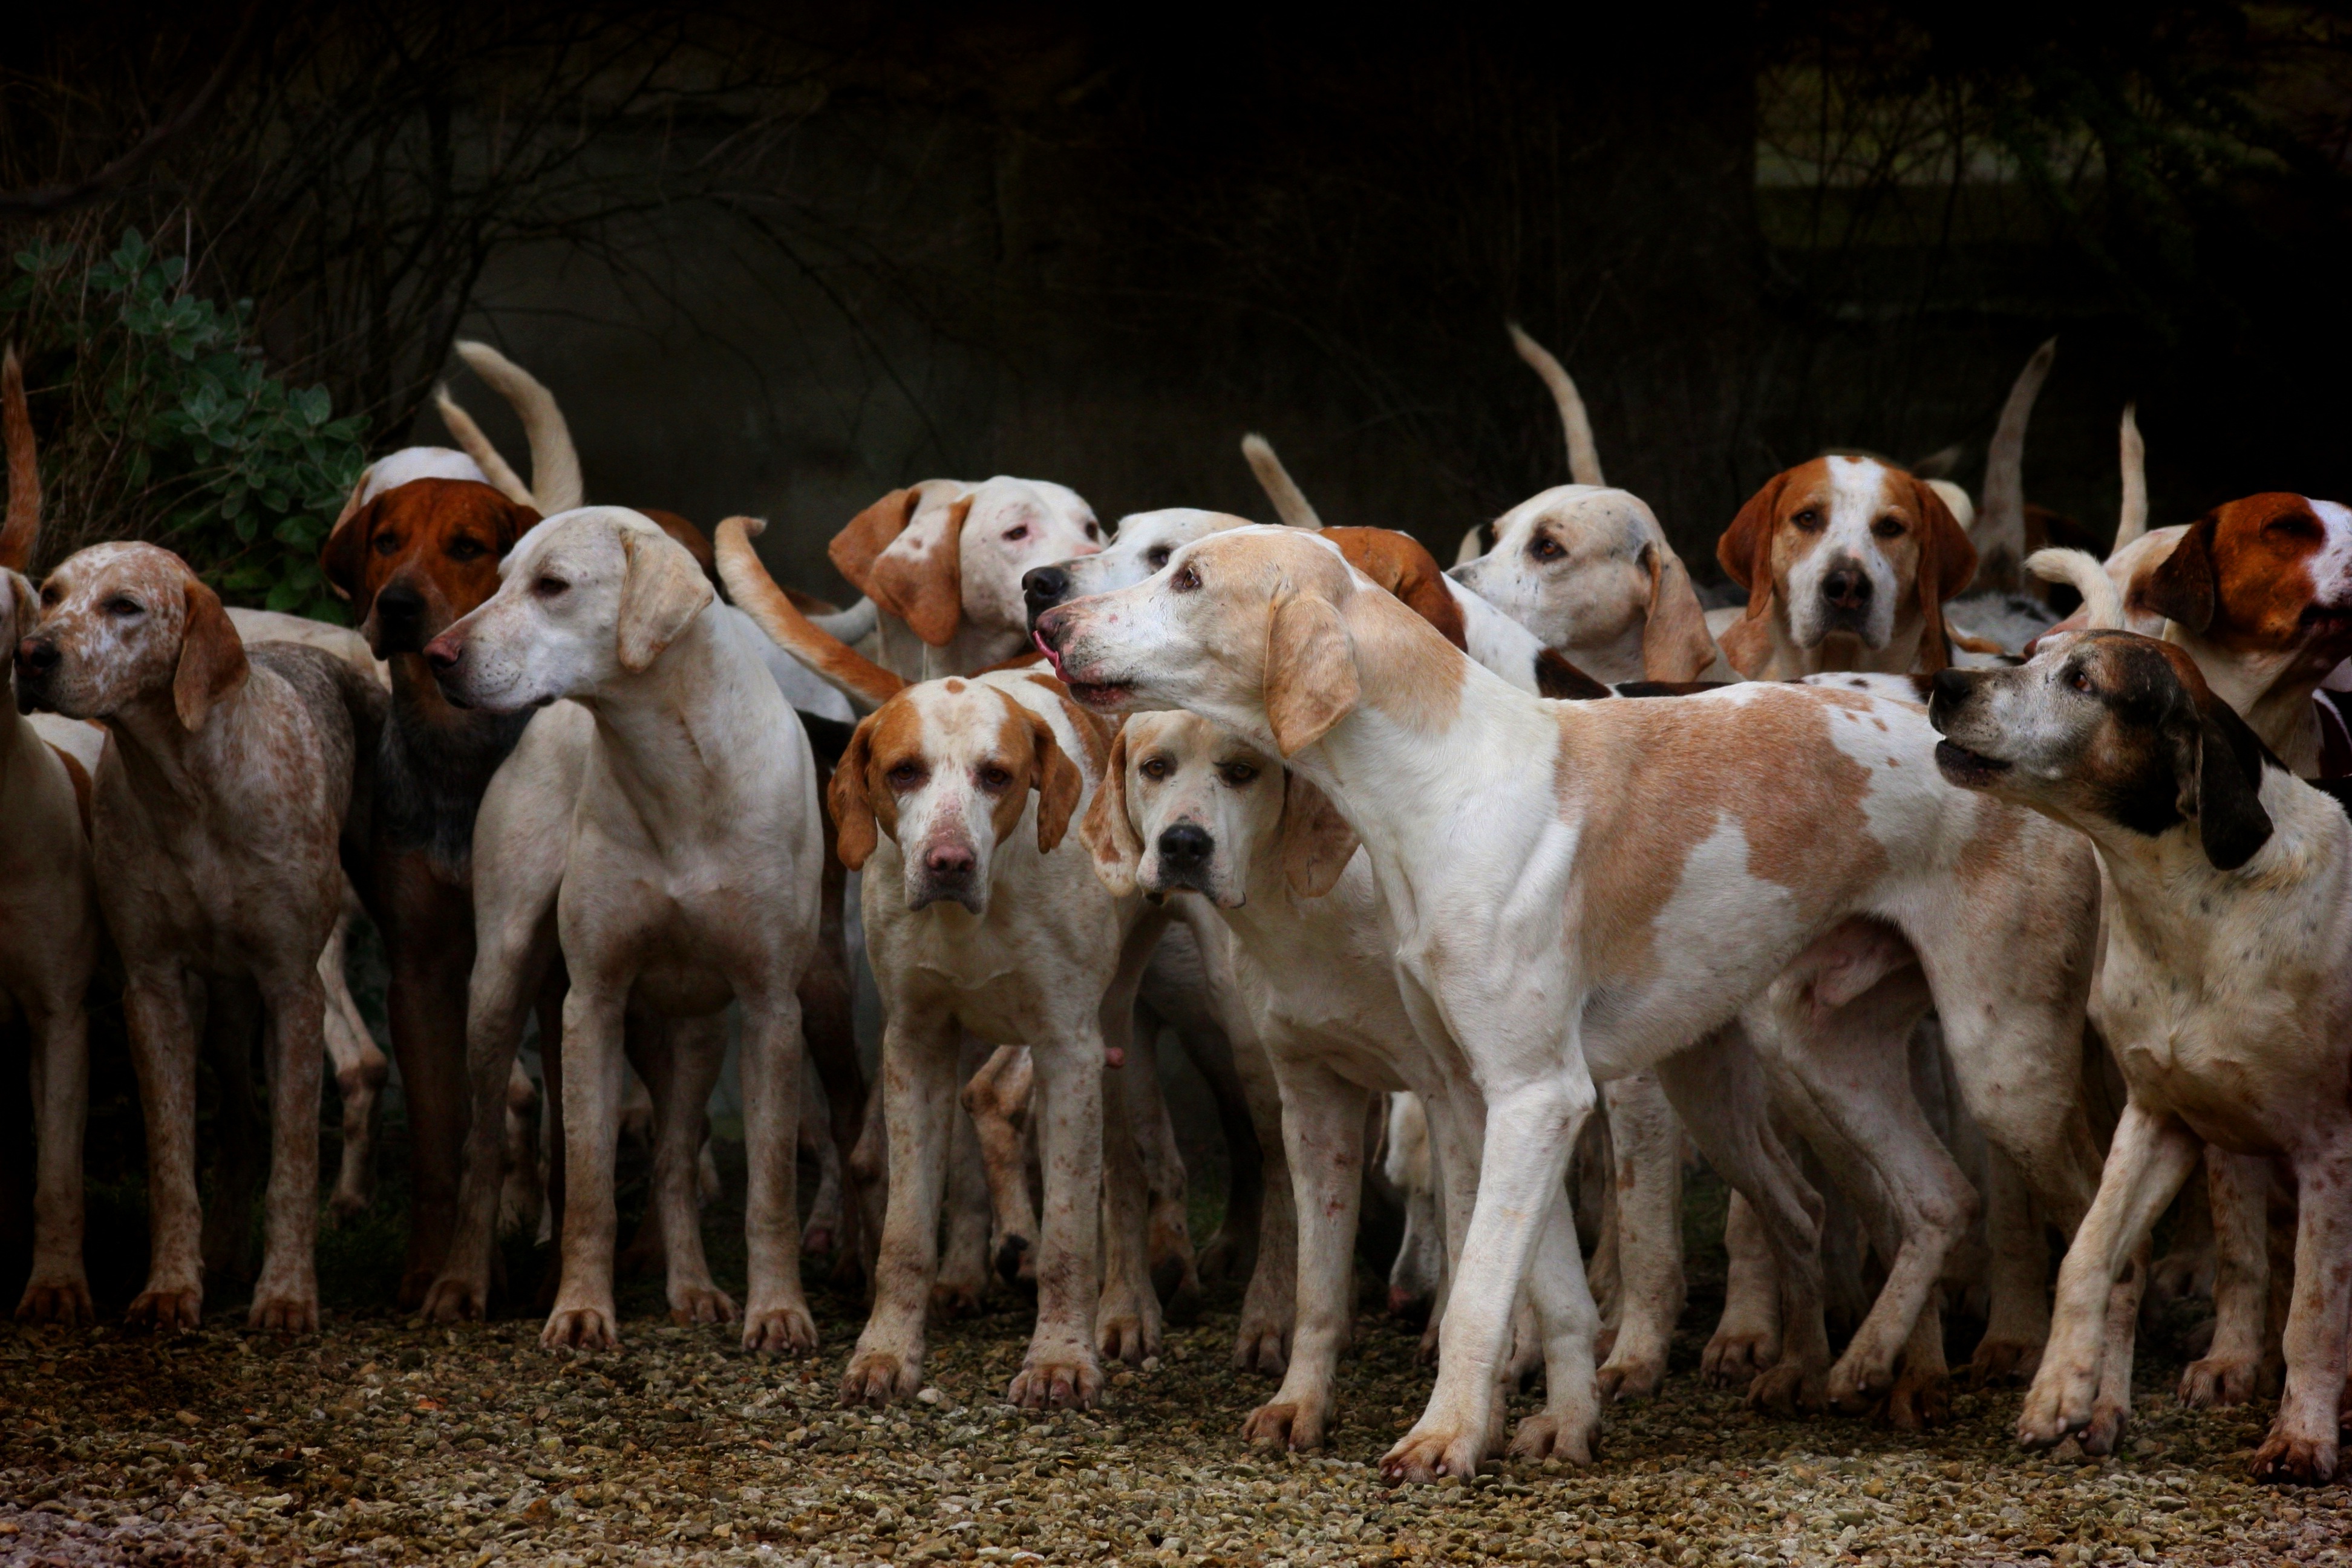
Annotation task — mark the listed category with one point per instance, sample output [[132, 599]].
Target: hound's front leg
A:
[[2150, 1157], [585, 1314], [2238, 1200], [1647, 1146], [2301, 1444], [1568, 1425], [919, 1102], [286, 1296], [1530, 1128], [1061, 1370], [57, 1290], [1323, 1138], [698, 1048], [775, 1314], [164, 1054]]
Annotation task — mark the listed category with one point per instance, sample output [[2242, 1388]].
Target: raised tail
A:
[[22, 531], [1583, 456], [2103, 607], [2131, 518], [756, 595], [1289, 501], [476, 446], [2000, 534], [555, 484]]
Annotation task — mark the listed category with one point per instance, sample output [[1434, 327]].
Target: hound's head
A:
[[1142, 545], [585, 598], [2107, 731], [2270, 575], [1269, 632], [1588, 571], [1847, 546], [415, 558], [122, 626], [1185, 806], [943, 553], [945, 770]]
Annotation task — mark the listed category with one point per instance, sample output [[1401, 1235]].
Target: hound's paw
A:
[[701, 1304], [2059, 1402], [1124, 1336], [1424, 1456], [2217, 1380], [816, 1241], [1916, 1402], [1789, 1390], [1058, 1379], [454, 1299], [1734, 1357], [168, 1310], [877, 1377], [2000, 1361], [788, 1329], [285, 1312], [1631, 1377], [582, 1327], [953, 1299], [2295, 1461], [1545, 1435], [1297, 1425], [1857, 1389], [65, 1302], [1262, 1347]]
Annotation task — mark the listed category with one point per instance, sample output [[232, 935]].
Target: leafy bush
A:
[[163, 424]]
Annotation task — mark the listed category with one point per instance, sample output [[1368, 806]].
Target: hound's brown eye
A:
[[1888, 527], [387, 544], [994, 778], [1185, 580], [1545, 549], [549, 587], [1156, 557], [1809, 520], [1094, 530], [1020, 532], [1238, 775], [2079, 681], [1154, 768], [122, 606], [906, 775], [464, 549], [49, 597]]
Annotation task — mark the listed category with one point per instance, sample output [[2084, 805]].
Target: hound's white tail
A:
[[1289, 501], [2001, 533], [1583, 456], [756, 595], [2103, 607], [554, 462], [2131, 520], [22, 530], [476, 445]]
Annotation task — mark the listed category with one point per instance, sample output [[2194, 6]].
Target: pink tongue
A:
[[1051, 657]]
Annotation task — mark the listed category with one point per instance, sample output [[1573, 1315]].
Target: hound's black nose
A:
[[1946, 692], [38, 654], [1043, 588], [1186, 846], [399, 613], [1846, 587]]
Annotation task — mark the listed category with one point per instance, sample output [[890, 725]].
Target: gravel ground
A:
[[381, 1440]]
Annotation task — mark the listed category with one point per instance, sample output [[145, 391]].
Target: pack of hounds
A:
[[1943, 929]]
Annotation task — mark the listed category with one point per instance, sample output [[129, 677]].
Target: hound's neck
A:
[[165, 759], [672, 758], [2169, 896]]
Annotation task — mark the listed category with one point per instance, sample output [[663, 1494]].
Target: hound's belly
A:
[[681, 990]]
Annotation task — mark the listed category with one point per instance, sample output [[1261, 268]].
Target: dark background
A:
[[781, 258]]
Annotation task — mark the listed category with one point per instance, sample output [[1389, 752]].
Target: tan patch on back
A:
[[1656, 779]]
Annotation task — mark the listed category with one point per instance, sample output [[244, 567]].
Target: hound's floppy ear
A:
[[919, 579], [515, 519], [855, 832], [1059, 784], [1107, 831], [1745, 550], [343, 558], [1317, 841], [212, 657], [855, 548], [1311, 672], [1948, 565], [2183, 586], [1401, 565], [662, 591], [2217, 763], [1675, 641]]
